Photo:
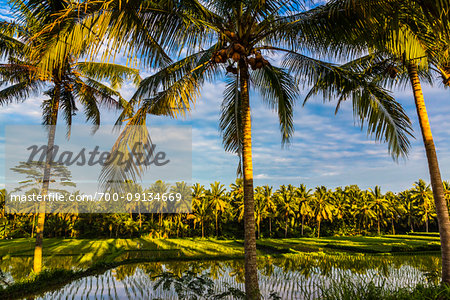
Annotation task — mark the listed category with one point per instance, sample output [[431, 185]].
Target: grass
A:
[[102, 248], [194, 247], [346, 289], [382, 244]]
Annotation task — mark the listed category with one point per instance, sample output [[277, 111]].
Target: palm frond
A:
[[173, 90], [230, 124], [279, 90], [114, 73], [19, 92], [372, 104]]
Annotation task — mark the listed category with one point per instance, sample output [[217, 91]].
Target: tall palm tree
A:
[[303, 198], [269, 203], [67, 85], [413, 35], [321, 206], [395, 209], [423, 196], [216, 197], [237, 197], [236, 37], [159, 187], [364, 210], [200, 206], [379, 205], [261, 206], [410, 207], [271, 206], [286, 204]]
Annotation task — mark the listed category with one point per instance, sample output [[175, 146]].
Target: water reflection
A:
[[293, 277]]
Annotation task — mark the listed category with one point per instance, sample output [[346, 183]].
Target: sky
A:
[[326, 149]]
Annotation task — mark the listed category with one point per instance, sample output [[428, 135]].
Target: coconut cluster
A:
[[235, 51], [258, 61]]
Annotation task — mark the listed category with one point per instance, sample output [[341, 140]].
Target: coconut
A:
[[231, 69], [252, 61], [241, 49], [236, 56], [259, 65], [238, 48], [223, 53], [217, 59]]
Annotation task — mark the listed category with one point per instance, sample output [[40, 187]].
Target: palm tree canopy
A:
[[220, 39]]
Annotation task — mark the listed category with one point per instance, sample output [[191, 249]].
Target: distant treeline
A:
[[288, 211]]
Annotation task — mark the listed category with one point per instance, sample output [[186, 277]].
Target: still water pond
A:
[[299, 276]]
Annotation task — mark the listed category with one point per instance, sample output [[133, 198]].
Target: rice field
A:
[[294, 276]]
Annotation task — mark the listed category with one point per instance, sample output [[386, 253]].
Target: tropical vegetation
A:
[[288, 211]]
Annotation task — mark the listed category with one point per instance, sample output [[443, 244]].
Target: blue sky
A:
[[325, 150]]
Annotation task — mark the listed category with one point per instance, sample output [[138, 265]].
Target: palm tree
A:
[[216, 198], [413, 35], [237, 197], [269, 203], [303, 198], [321, 207], [422, 195], [286, 204], [237, 37], [262, 194], [159, 188], [185, 191], [69, 84], [342, 207], [200, 206], [271, 206], [410, 207], [364, 210], [395, 209], [379, 205]]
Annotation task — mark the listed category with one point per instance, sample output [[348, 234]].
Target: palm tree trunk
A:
[[251, 271], [435, 174], [33, 225], [259, 229], [270, 227], [203, 230], [378, 225], [318, 229], [303, 221], [393, 227], [140, 217], [37, 260], [285, 227], [217, 228]]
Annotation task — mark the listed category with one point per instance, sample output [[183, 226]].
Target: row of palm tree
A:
[[404, 39], [285, 212]]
